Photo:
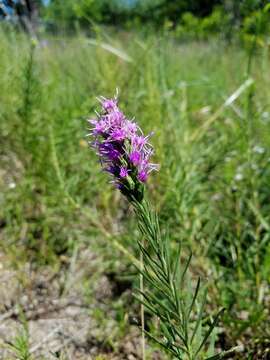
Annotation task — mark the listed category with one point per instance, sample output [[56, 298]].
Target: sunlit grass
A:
[[212, 190]]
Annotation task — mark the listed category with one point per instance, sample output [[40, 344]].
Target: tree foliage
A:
[[198, 17]]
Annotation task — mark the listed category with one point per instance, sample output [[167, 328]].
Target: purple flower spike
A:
[[123, 150]]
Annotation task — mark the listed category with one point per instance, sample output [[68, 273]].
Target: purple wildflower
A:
[[123, 150]]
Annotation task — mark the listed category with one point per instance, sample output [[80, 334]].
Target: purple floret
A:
[[135, 157], [142, 176], [109, 104], [123, 172]]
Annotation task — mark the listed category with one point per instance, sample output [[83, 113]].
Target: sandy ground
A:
[[58, 316]]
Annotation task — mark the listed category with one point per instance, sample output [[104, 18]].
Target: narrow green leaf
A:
[[222, 354], [152, 310], [165, 307], [214, 323], [177, 260], [199, 316], [164, 346], [152, 281], [194, 297], [186, 267], [153, 264]]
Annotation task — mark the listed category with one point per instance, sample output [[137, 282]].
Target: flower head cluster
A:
[[123, 150]]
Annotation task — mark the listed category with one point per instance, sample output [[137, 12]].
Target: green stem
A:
[[142, 306]]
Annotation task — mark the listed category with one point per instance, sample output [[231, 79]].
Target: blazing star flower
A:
[[123, 150]]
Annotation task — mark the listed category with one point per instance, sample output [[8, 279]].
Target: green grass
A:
[[212, 190]]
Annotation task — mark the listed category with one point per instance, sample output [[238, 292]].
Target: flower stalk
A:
[[165, 292]]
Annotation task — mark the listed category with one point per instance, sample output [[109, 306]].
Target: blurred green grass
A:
[[212, 190]]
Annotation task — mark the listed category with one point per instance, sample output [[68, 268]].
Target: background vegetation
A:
[[201, 82]]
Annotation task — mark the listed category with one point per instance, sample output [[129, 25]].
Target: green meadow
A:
[[208, 105]]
